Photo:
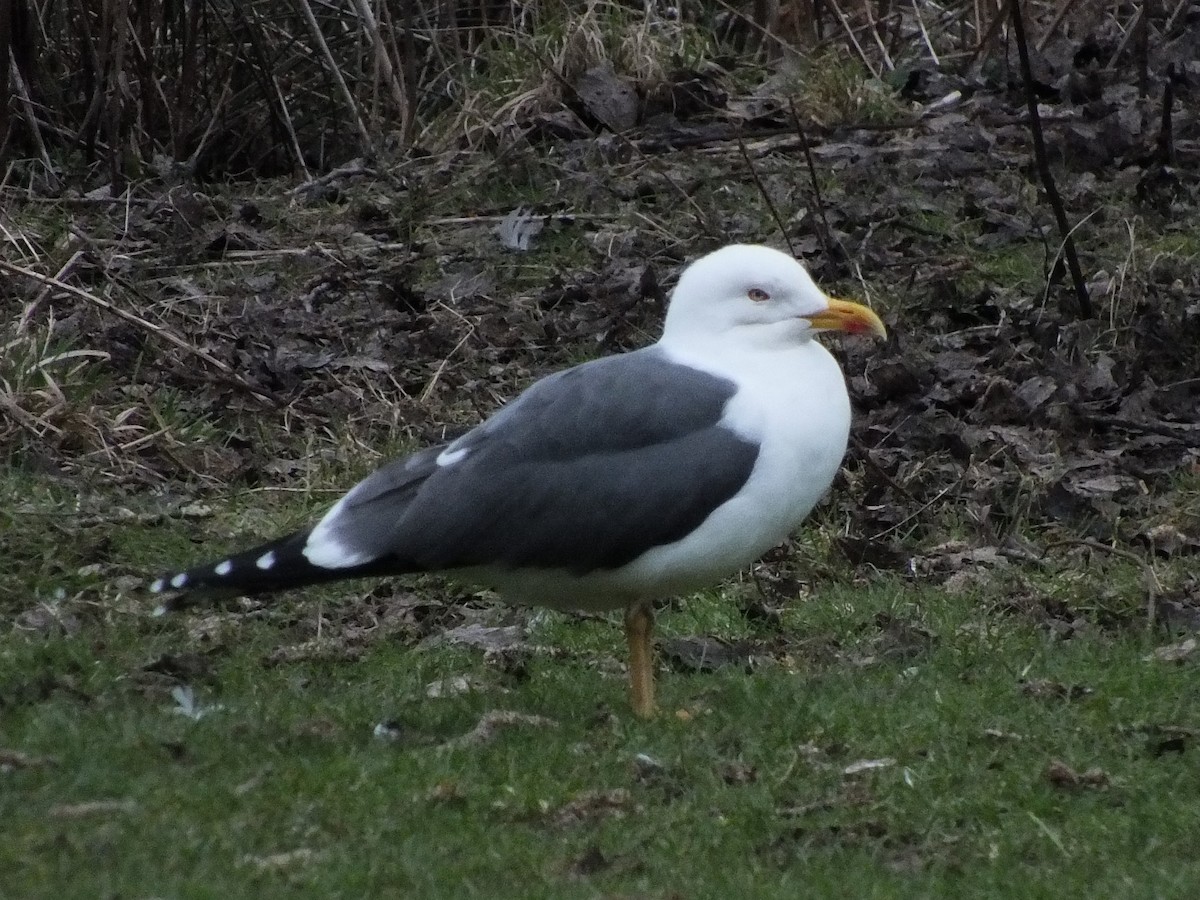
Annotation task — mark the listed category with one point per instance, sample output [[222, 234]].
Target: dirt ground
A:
[[240, 335]]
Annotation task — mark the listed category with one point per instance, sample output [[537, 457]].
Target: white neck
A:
[[686, 336]]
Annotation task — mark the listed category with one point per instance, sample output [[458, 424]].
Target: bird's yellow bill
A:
[[845, 315]]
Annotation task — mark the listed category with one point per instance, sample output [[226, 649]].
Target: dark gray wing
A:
[[586, 470]]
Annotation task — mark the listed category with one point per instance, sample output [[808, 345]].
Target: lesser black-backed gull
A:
[[616, 482]]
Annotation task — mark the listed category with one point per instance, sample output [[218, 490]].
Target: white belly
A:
[[801, 422], [802, 429]]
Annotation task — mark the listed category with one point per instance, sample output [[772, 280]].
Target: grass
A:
[[746, 783]]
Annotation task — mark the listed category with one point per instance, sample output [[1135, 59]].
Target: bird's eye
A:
[[758, 295]]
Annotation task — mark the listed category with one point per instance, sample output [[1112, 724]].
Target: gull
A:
[[614, 483]]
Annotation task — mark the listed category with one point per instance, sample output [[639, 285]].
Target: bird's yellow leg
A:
[[639, 625]]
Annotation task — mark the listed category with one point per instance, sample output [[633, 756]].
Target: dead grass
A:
[[299, 87]]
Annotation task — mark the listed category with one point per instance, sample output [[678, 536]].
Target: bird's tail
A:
[[274, 566]]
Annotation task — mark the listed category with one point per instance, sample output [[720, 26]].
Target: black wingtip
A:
[[278, 565], [274, 566]]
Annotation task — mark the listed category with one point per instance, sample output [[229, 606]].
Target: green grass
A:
[[748, 794]]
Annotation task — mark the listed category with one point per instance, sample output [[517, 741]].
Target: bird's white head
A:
[[751, 287]]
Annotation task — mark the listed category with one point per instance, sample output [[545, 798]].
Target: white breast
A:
[[794, 404]]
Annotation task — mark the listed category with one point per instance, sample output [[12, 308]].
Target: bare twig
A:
[[382, 59], [269, 78], [837, 11], [1043, 164], [863, 452], [1129, 33], [31, 307], [685, 195], [1149, 577], [1064, 8], [925, 34], [824, 233], [989, 34], [1170, 23], [1166, 138], [1143, 47], [335, 73], [31, 121], [1186, 433], [873, 27], [158, 330], [762, 189]]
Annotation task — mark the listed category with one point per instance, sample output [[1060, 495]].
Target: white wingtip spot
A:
[[224, 568], [160, 611], [266, 561], [179, 580], [158, 586], [449, 457]]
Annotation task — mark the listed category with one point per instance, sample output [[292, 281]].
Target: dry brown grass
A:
[[161, 93], [269, 86]]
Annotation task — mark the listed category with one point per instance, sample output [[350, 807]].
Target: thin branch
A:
[[382, 59], [231, 376], [925, 34], [1064, 7], [837, 11], [824, 233], [1134, 23], [1043, 164], [1166, 137], [335, 73], [762, 189], [31, 120], [31, 307]]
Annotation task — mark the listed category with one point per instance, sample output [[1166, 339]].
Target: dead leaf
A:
[[901, 639], [1163, 739], [336, 649], [646, 768], [703, 653], [48, 619], [737, 772], [16, 759], [180, 667], [91, 808], [1180, 609], [1061, 775], [592, 806], [446, 792], [861, 551], [589, 863], [998, 734], [391, 731], [1179, 652], [518, 229], [491, 724], [319, 728], [483, 637], [455, 685], [1044, 688], [276, 861], [868, 765], [1169, 540]]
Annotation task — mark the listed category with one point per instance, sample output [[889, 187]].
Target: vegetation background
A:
[[252, 249]]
